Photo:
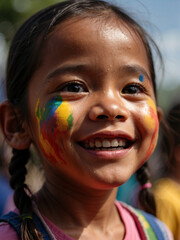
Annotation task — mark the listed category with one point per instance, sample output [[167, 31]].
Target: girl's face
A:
[[92, 105]]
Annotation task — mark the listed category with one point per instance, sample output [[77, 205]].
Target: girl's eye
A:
[[73, 87], [133, 89]]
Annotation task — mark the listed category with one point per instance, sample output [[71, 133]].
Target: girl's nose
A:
[[108, 108]]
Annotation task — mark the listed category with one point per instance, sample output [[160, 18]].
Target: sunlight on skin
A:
[[54, 119]]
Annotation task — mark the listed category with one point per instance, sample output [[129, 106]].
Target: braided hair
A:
[[22, 194], [145, 197]]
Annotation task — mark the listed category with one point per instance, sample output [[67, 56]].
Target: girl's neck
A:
[[76, 209]]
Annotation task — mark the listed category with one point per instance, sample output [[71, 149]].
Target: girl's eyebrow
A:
[[68, 68], [72, 68], [135, 69]]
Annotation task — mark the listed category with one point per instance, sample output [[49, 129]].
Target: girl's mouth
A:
[[106, 144]]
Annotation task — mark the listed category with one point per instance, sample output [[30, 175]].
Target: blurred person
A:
[[167, 188]]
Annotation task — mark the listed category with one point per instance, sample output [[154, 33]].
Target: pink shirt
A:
[[131, 232]]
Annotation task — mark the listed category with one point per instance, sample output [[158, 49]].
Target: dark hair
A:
[[173, 119], [146, 197], [25, 54]]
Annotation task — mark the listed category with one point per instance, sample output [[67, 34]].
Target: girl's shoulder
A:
[[149, 227]]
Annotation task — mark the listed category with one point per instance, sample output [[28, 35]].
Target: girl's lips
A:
[[109, 135], [109, 155]]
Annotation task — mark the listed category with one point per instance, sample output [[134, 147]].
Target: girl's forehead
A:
[[80, 30], [83, 25], [92, 38]]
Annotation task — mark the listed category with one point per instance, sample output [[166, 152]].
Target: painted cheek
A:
[[150, 116], [152, 123], [64, 118], [54, 120]]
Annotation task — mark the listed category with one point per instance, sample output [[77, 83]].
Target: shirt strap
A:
[[15, 221]]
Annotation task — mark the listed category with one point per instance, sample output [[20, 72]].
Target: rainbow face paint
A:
[[54, 120]]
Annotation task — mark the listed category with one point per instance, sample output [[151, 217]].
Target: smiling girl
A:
[[81, 89]]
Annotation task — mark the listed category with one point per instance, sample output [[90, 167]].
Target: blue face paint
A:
[[141, 78]]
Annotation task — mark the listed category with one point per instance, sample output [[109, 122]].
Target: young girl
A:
[[81, 88]]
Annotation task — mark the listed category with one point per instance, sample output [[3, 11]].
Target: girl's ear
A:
[[13, 128]]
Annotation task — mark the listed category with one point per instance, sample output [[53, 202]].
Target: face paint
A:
[[141, 78], [151, 120], [54, 120]]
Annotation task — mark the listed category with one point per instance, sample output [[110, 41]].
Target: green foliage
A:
[[168, 97], [14, 12]]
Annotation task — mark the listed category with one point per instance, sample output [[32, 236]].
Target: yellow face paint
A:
[[150, 118], [64, 117], [54, 120]]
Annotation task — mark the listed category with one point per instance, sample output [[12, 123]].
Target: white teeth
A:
[[98, 144], [114, 143], [106, 143], [121, 143]]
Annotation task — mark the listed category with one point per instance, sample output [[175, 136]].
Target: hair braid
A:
[[22, 200], [146, 197]]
